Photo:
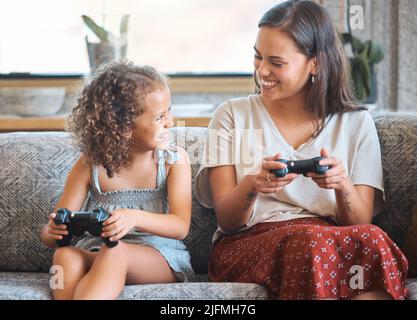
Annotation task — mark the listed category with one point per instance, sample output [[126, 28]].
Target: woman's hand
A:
[[121, 221], [267, 182], [335, 178], [56, 231]]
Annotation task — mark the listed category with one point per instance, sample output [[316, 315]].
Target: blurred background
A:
[[49, 47]]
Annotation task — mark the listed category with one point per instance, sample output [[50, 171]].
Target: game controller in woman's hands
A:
[[301, 167]]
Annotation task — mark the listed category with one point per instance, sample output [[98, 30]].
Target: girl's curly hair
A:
[[101, 123]]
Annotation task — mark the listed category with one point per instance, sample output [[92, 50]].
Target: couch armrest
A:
[[398, 138]]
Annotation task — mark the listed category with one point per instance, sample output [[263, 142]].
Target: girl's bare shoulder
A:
[[82, 167]]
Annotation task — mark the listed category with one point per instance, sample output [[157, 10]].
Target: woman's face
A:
[[152, 126], [282, 71]]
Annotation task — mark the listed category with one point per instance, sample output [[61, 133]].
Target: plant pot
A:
[[104, 52]]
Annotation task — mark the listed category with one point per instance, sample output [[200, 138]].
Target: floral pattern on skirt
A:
[[311, 258]]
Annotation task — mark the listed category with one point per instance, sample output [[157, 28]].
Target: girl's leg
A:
[[125, 263], [147, 265], [75, 263]]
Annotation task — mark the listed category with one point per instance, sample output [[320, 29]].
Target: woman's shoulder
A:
[[354, 124], [238, 103], [360, 114], [359, 120]]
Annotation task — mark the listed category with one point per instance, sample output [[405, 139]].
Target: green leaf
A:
[[375, 53], [99, 31], [123, 25], [366, 49], [361, 77], [365, 55], [357, 45]]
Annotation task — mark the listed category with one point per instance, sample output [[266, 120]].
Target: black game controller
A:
[[301, 167], [78, 222]]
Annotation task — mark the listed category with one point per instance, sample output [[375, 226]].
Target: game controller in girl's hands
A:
[[78, 222], [301, 167]]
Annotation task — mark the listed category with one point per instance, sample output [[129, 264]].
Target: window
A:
[[198, 36]]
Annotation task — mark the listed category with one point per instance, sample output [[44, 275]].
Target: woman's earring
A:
[[313, 78]]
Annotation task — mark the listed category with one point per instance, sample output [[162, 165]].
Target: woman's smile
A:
[[266, 84]]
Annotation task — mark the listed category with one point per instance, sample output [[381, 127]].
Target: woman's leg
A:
[[307, 259], [370, 295], [75, 263], [125, 263], [373, 295]]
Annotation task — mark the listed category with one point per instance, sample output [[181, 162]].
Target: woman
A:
[[303, 237]]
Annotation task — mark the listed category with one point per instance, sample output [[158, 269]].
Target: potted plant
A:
[[365, 55], [110, 46]]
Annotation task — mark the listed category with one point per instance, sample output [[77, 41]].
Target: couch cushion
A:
[[35, 286], [412, 288], [22, 286], [398, 135]]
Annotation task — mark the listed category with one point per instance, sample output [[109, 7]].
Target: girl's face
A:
[[282, 71], [152, 126]]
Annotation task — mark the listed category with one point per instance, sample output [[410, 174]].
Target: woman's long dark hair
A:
[[311, 28]]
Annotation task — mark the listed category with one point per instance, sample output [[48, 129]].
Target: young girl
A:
[[301, 237], [121, 125]]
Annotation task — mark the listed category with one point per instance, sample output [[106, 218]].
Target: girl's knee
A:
[[65, 253], [118, 250], [73, 255]]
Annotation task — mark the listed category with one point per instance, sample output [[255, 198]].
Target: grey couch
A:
[[33, 168]]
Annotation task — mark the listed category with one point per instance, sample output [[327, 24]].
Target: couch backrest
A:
[[34, 167]]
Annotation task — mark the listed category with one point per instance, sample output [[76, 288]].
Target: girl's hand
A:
[[56, 231], [121, 221], [335, 178], [267, 182]]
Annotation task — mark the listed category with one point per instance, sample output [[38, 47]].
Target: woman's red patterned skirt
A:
[[311, 258]]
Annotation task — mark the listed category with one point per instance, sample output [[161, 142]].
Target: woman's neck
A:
[[290, 110]]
